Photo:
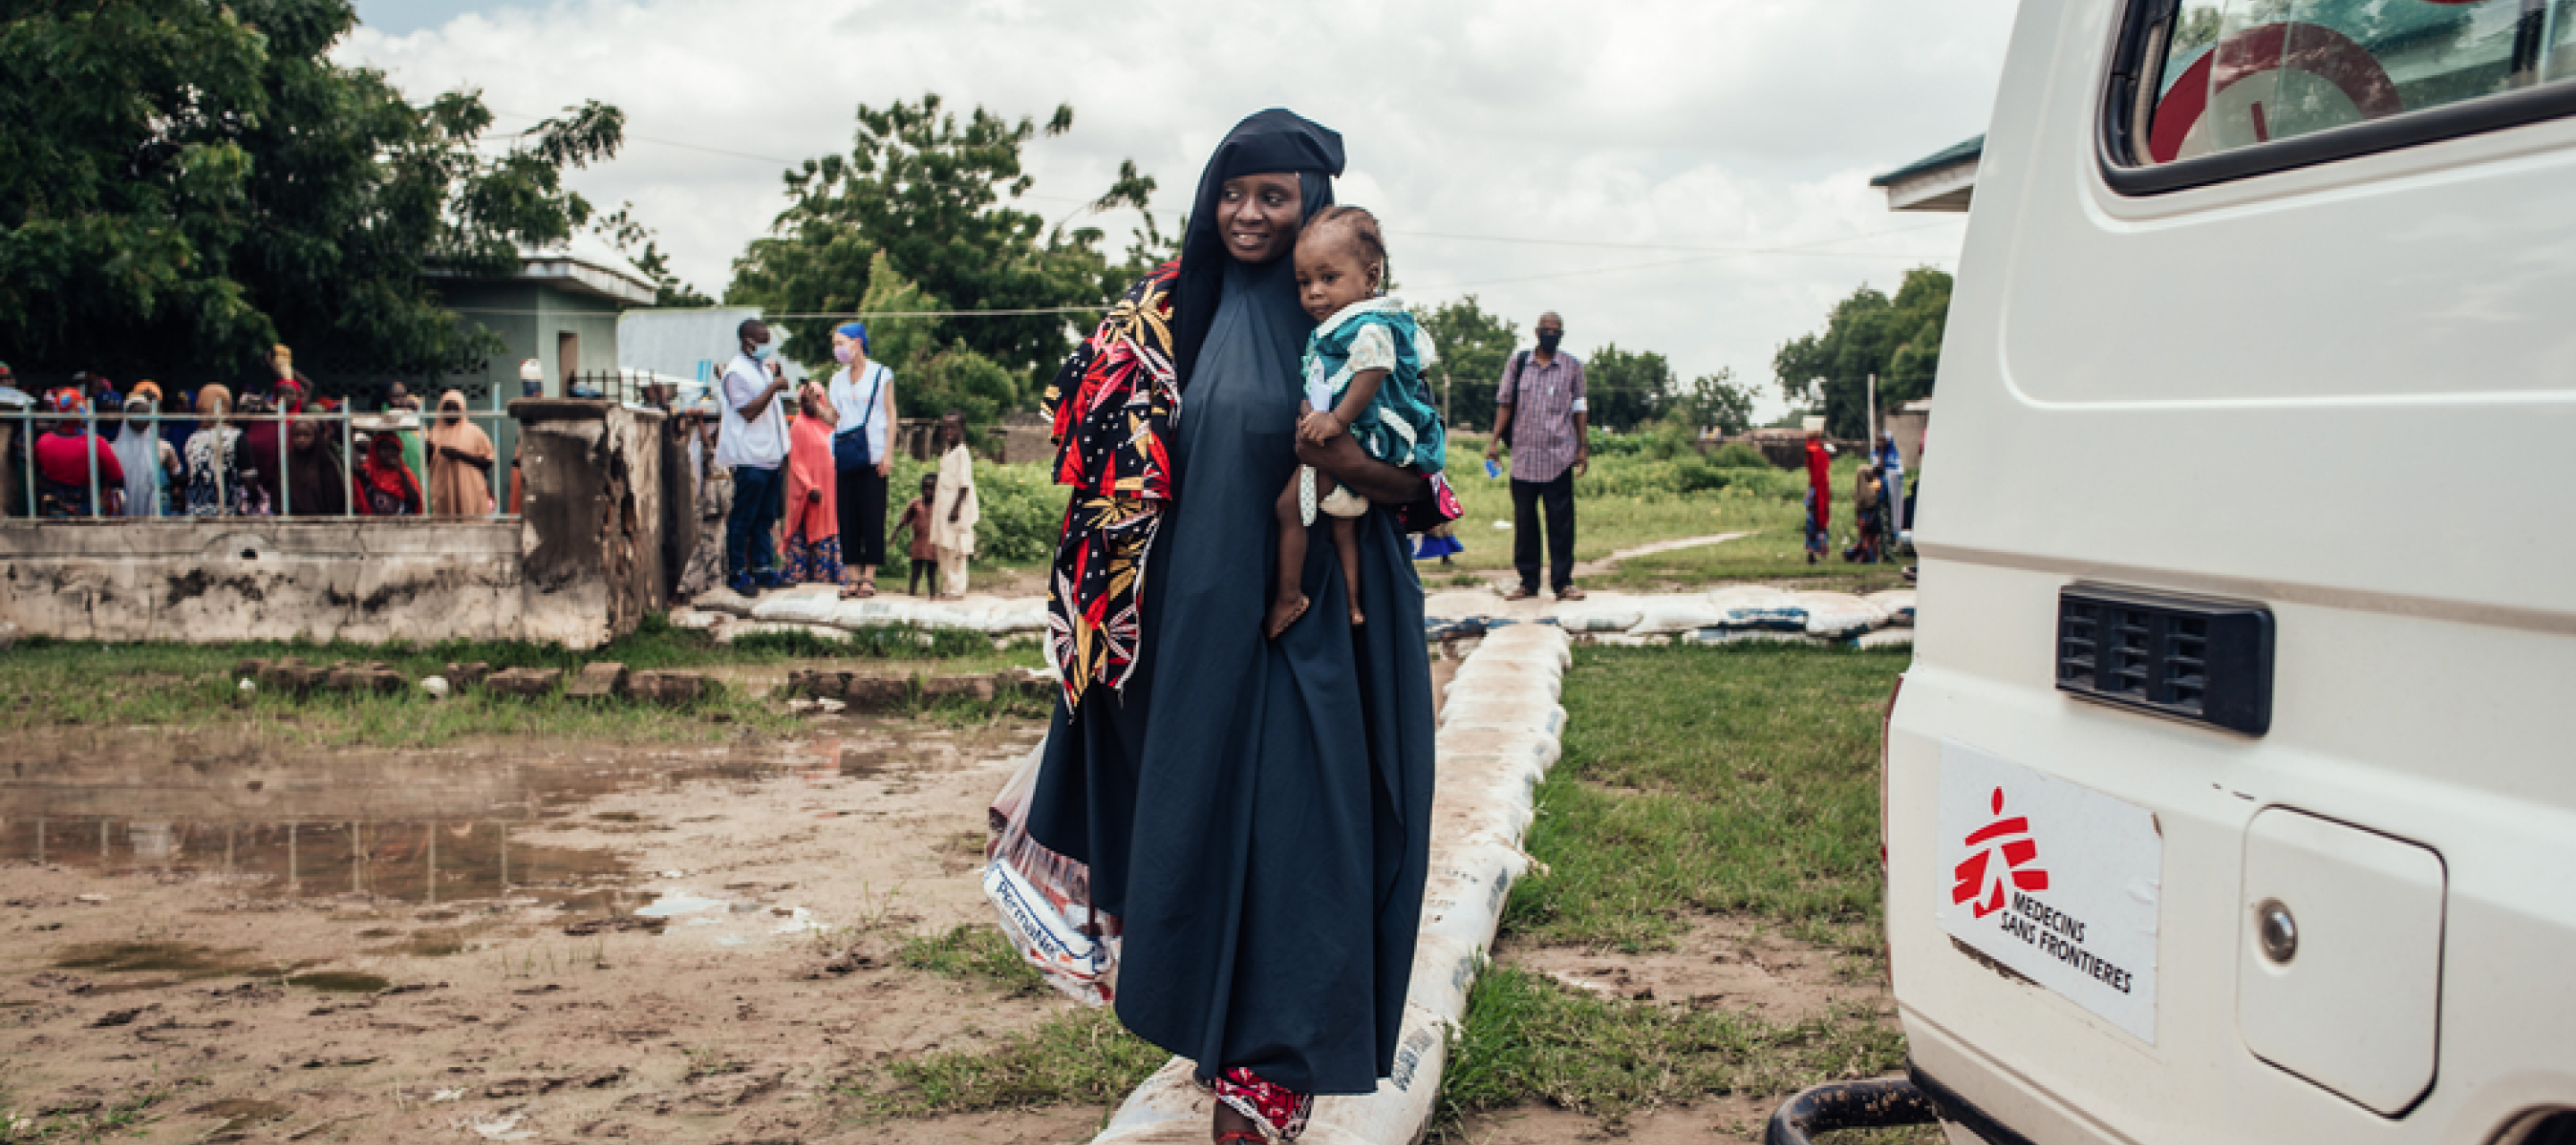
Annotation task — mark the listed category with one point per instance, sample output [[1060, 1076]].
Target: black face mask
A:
[[1548, 342]]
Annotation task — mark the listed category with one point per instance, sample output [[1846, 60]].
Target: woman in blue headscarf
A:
[[1254, 815], [861, 414]]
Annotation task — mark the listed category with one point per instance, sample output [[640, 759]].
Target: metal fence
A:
[[228, 500]]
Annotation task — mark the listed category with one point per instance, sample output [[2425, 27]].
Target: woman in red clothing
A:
[[1820, 489], [386, 487], [64, 456]]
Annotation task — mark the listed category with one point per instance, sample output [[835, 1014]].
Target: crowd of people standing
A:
[[274, 449], [791, 479]]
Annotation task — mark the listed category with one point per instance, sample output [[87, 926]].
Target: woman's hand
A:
[[885, 464], [1367, 476], [813, 496]]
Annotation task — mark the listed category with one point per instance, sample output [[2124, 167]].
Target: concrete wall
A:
[[582, 567]]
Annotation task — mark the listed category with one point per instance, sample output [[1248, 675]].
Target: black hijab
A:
[[1266, 141]]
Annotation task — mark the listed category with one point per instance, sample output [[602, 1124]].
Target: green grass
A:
[[1080, 1057], [128, 1116], [1738, 779], [1527, 1039], [975, 953], [50, 683]]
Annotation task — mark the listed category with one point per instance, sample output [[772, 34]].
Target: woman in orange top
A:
[[812, 527]]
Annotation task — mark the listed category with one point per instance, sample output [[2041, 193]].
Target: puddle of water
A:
[[239, 1113], [188, 960], [414, 829], [340, 982], [679, 903]]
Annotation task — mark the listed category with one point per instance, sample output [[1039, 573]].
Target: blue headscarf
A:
[[858, 330]]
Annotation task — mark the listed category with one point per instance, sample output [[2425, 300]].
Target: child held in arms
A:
[[1363, 370], [920, 553]]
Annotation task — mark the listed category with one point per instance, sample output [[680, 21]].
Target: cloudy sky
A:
[[1686, 176]]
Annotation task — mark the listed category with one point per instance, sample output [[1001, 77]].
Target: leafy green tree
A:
[[929, 190], [1899, 340], [1626, 389], [642, 246], [1474, 346], [1715, 400], [183, 183], [958, 378]]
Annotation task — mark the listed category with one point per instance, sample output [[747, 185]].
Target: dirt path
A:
[[1604, 565], [531, 942]]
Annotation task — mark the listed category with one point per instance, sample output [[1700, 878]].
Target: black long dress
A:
[[1256, 811]]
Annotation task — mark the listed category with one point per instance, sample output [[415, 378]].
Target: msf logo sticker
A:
[[2002, 851]]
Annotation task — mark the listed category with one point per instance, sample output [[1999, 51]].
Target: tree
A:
[[1715, 400], [1474, 347], [1898, 340], [641, 246], [928, 190], [183, 183], [1625, 389]]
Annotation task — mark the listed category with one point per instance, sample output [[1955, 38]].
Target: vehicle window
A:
[[2243, 73]]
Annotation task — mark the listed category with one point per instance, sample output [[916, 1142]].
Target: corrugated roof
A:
[[1955, 153]]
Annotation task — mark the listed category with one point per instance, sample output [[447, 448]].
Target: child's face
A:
[[1330, 273], [929, 488]]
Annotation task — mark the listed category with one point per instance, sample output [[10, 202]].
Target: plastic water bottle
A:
[[1493, 469]]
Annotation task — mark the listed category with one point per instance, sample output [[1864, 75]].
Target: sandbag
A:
[[796, 608], [1898, 604], [1663, 615], [1755, 607], [1597, 616], [874, 612], [1840, 615]]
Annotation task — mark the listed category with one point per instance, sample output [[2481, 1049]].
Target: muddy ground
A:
[[205, 939]]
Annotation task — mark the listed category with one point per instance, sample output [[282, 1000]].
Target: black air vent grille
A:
[[2210, 663]]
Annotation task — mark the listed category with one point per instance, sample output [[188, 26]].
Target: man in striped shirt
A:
[[1540, 410]]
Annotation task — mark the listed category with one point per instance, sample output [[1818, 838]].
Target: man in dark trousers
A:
[[1540, 411]]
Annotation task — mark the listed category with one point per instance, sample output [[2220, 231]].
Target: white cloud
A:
[[1668, 124]]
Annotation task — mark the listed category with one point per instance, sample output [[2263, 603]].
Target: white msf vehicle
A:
[[2231, 796]]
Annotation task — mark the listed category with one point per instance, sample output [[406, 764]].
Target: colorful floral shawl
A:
[[1112, 403]]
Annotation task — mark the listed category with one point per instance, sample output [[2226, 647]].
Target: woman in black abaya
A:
[[1255, 814]]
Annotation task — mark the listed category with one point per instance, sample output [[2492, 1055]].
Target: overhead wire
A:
[[1793, 249]]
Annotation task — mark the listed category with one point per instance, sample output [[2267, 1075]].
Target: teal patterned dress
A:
[[1401, 426]]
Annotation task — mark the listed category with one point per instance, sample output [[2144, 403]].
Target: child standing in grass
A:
[[953, 511], [923, 555]]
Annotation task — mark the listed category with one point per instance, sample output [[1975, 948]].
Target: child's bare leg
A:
[[1346, 542], [1288, 600]]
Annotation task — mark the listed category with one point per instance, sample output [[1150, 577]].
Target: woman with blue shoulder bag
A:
[[862, 400]]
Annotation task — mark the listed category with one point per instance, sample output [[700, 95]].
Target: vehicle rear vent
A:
[[2195, 660]]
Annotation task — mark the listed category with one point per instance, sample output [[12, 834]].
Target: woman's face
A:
[[1258, 215], [451, 409], [386, 450], [303, 434], [848, 349]]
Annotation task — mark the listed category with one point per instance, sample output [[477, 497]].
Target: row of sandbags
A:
[[1743, 608], [827, 609]]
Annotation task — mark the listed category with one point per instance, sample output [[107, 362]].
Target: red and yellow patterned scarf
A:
[[1112, 403]]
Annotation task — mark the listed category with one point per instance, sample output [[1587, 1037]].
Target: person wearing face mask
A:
[[860, 412], [752, 442], [1540, 411]]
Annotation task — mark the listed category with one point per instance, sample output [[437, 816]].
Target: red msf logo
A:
[[1981, 878]]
